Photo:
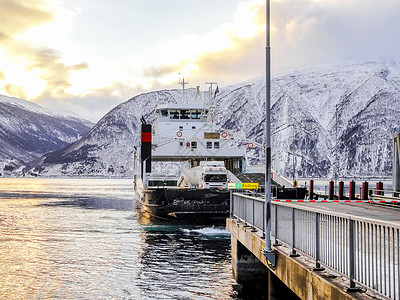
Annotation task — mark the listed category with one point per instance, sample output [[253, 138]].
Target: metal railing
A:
[[324, 190], [366, 251]]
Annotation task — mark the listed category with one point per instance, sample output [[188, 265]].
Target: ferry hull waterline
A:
[[186, 204]]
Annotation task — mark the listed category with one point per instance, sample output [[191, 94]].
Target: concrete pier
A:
[[247, 269], [249, 265]]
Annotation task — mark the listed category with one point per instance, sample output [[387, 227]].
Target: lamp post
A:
[[336, 174], [268, 252], [336, 137], [293, 164]]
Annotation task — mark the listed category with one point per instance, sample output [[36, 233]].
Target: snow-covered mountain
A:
[[27, 131], [108, 148], [326, 119]]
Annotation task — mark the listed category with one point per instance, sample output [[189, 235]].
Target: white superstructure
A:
[[186, 132]]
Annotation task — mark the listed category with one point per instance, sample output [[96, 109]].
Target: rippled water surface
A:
[[83, 239]]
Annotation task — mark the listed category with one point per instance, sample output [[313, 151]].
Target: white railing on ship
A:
[[366, 251]]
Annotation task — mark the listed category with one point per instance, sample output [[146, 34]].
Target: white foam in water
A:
[[208, 231]]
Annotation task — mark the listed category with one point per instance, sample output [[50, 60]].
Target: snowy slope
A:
[[28, 131], [108, 148], [344, 112]]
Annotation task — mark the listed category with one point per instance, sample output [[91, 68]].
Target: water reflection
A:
[[52, 248], [26, 270], [185, 262], [82, 239], [94, 203]]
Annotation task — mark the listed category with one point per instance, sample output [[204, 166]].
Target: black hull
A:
[[185, 204]]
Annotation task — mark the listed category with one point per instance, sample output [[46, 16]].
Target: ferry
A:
[[184, 134]]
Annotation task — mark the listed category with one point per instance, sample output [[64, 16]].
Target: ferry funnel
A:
[[145, 148]]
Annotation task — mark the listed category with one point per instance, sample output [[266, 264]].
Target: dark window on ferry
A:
[[216, 145], [180, 144], [174, 114], [215, 178], [193, 127], [164, 113], [205, 113], [180, 128], [194, 145], [196, 114], [209, 145], [162, 182], [184, 114]]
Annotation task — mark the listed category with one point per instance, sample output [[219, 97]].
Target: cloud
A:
[[309, 31], [228, 53], [14, 90], [18, 16], [45, 62], [244, 60], [158, 71], [303, 32], [92, 105]]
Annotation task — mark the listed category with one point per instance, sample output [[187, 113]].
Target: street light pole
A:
[[336, 146], [293, 153], [268, 252]]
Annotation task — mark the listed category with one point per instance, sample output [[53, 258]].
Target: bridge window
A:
[[195, 113], [184, 114], [174, 114], [164, 113]]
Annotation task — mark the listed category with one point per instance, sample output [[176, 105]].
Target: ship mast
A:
[[211, 102], [210, 89], [183, 83]]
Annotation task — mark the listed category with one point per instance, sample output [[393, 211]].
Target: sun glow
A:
[[41, 58], [29, 84], [246, 19], [185, 52]]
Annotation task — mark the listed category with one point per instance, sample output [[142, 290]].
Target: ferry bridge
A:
[[327, 249]]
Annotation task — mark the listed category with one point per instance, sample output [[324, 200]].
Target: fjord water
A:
[[83, 239]]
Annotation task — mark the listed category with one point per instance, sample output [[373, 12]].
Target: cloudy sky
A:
[[87, 56]]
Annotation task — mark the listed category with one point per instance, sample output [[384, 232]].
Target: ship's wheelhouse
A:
[[181, 113]]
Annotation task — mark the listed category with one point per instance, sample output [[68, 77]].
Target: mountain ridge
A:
[[28, 131], [326, 119]]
